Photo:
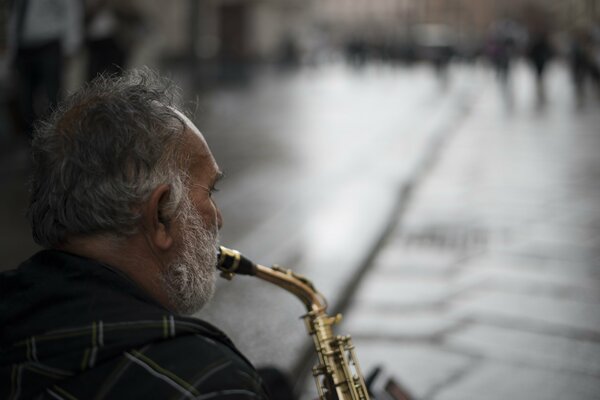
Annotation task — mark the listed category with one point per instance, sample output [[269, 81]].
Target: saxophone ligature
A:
[[337, 373]]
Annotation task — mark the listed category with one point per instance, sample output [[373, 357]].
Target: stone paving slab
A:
[[521, 347], [420, 325], [399, 259], [500, 381], [558, 268], [533, 283], [525, 276], [581, 238], [556, 312], [390, 292], [559, 251]]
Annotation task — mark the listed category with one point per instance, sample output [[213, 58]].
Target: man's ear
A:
[[157, 228]]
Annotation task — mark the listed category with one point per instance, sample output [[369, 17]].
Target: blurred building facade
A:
[[246, 31], [573, 13], [230, 31], [257, 30], [394, 20]]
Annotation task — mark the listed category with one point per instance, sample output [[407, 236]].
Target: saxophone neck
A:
[[296, 284], [231, 263]]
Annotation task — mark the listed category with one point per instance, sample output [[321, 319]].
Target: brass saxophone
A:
[[337, 369]]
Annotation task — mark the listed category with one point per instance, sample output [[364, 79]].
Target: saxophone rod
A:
[[231, 263]]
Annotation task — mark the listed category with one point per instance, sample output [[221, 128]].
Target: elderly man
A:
[[121, 200]]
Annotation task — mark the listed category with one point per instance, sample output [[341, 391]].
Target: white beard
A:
[[190, 278]]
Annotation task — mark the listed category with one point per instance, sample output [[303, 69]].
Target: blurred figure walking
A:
[[498, 52], [112, 29], [539, 53], [500, 49], [502, 39], [584, 64], [41, 34]]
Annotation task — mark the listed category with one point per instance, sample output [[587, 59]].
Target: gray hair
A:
[[101, 154]]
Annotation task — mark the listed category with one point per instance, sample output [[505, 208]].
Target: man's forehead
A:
[[198, 147], [189, 125]]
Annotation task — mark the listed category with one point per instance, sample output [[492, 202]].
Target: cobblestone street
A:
[[488, 287]]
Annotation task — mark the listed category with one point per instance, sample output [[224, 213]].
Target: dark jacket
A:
[[74, 328]]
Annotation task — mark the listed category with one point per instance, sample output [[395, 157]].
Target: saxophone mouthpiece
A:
[[231, 262]]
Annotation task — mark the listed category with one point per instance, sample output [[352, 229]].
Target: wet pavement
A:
[[328, 155], [488, 287]]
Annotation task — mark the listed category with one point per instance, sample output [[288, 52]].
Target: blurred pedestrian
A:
[[112, 29], [584, 65], [357, 52], [539, 53], [502, 40], [498, 51], [289, 53], [42, 33]]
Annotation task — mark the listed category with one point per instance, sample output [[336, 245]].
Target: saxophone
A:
[[337, 370]]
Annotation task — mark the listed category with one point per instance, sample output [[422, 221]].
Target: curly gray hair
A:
[[100, 155]]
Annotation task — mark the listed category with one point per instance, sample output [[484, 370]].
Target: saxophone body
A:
[[337, 370]]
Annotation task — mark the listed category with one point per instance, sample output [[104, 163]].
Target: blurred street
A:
[[465, 212], [488, 288]]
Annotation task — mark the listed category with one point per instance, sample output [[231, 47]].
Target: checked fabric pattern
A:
[[74, 329]]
